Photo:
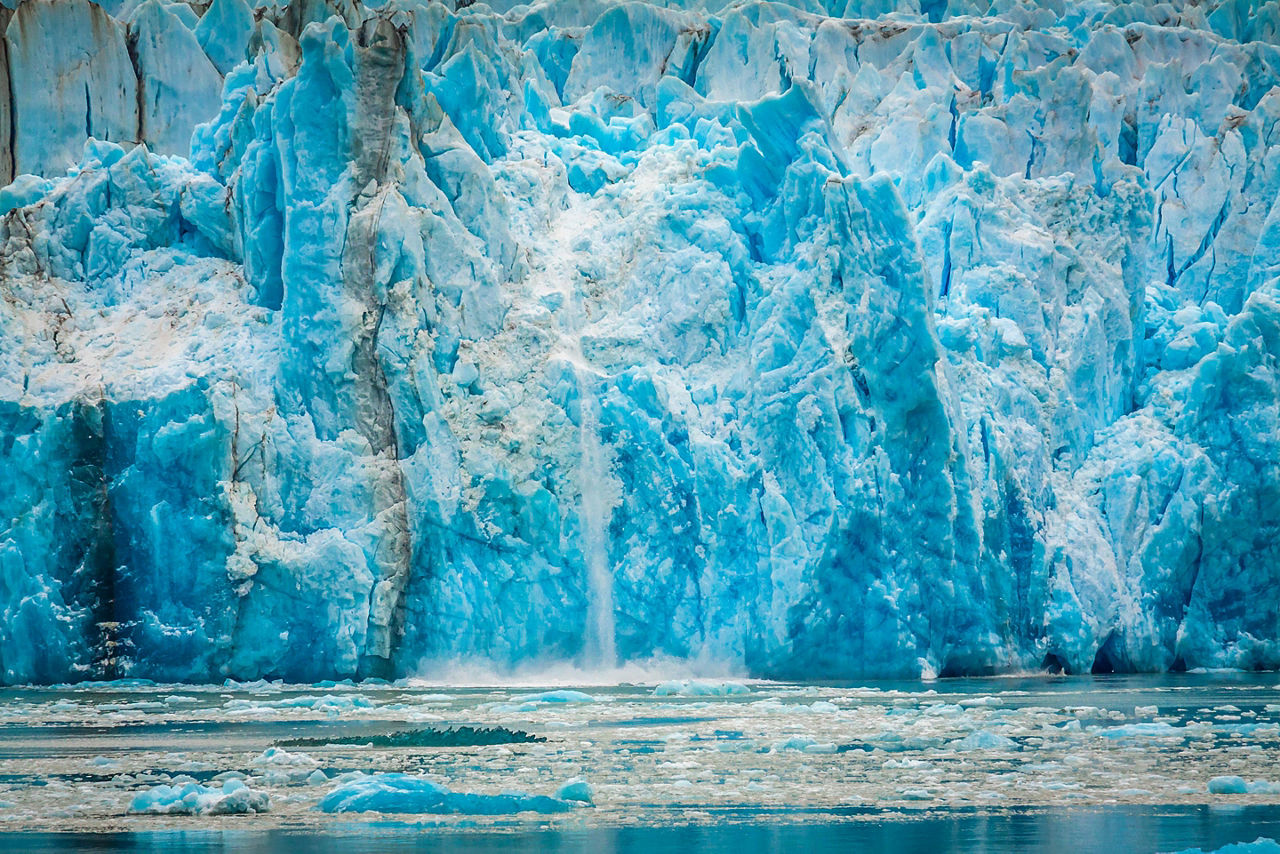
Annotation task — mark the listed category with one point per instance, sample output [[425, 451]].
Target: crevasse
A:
[[831, 339]]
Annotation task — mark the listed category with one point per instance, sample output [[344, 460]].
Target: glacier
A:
[[823, 339]]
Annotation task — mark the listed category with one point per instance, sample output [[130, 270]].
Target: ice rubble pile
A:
[[865, 338]]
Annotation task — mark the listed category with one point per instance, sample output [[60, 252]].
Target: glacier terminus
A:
[[818, 339]]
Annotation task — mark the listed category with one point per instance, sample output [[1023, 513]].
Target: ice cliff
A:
[[844, 338]]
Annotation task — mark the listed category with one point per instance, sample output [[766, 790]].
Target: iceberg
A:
[[578, 790], [834, 339], [404, 793], [559, 696], [1235, 785], [1261, 845], [983, 740], [699, 688], [233, 798]]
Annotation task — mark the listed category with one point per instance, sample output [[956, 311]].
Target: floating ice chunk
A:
[[769, 705], [1234, 785], [1149, 730], [279, 766], [234, 798], [1261, 845], [892, 742], [806, 745], [1145, 711], [317, 778], [562, 696], [983, 740], [330, 704], [915, 794], [699, 688], [256, 685], [576, 789], [274, 757], [1228, 785], [907, 763], [403, 793], [325, 703]]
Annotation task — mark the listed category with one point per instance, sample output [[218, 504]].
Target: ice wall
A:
[[820, 340]]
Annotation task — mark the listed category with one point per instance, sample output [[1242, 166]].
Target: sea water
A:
[[1002, 764]]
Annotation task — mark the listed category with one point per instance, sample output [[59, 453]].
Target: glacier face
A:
[[820, 340]]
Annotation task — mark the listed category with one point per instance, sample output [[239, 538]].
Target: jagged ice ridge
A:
[[829, 339]]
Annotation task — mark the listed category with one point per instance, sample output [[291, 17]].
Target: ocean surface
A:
[[1038, 763]]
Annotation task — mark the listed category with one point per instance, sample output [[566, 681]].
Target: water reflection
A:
[[1051, 831]]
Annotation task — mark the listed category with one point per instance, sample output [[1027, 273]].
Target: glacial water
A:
[[1054, 831], [1115, 763]]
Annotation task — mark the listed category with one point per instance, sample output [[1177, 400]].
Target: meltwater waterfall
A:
[[596, 504], [596, 485]]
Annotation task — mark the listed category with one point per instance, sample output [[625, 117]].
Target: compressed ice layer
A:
[[138, 75], [916, 345]]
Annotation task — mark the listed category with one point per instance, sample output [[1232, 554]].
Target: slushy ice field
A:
[[147, 758]]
